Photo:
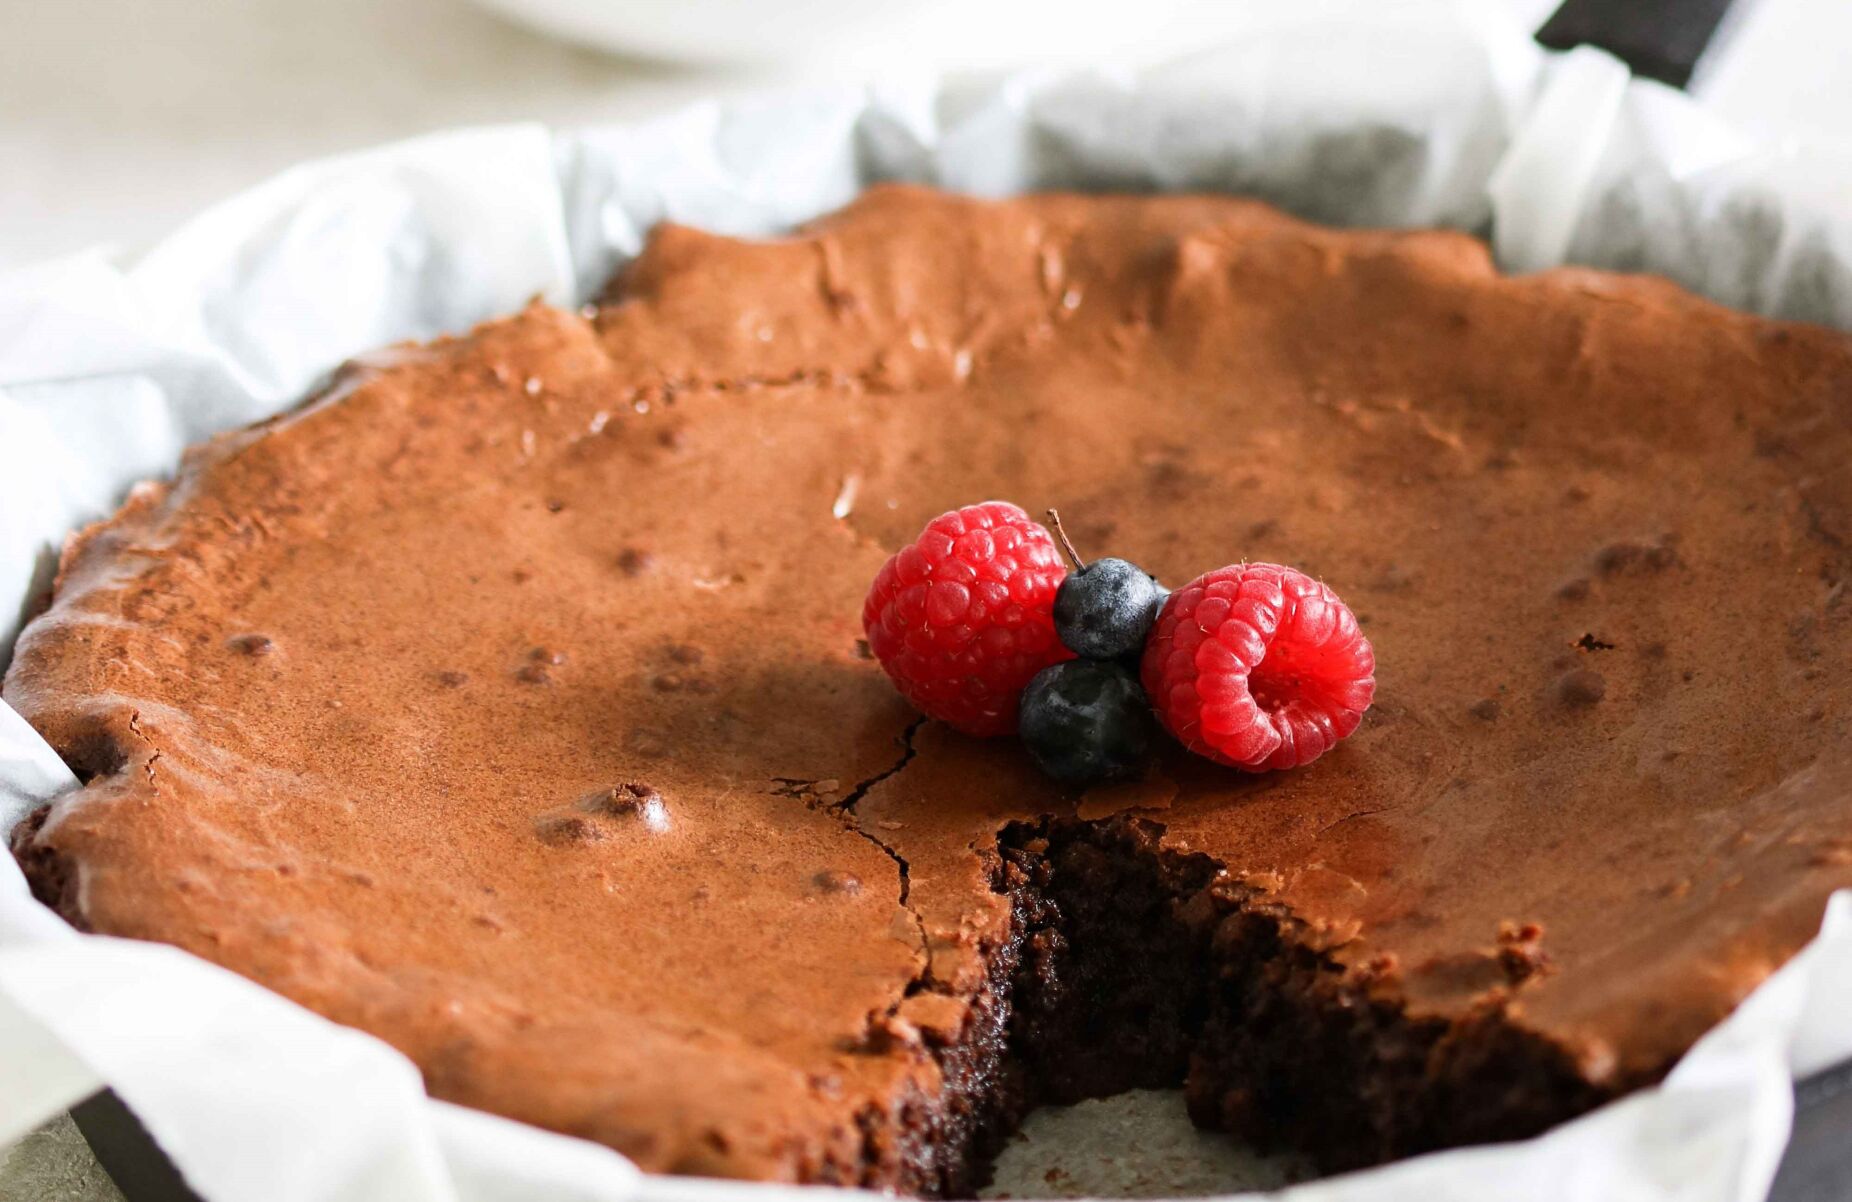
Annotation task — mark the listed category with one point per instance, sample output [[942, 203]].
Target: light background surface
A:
[[119, 118]]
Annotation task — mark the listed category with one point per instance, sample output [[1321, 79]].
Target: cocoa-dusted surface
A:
[[507, 700]]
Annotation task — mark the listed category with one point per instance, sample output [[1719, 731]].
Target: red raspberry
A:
[[964, 617], [1258, 666]]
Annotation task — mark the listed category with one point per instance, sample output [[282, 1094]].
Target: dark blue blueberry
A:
[[1085, 721], [1105, 610]]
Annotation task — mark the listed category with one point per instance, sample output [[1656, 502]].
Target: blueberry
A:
[[1105, 610], [1086, 720]]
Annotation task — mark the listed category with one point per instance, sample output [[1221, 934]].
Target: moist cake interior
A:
[[507, 700]]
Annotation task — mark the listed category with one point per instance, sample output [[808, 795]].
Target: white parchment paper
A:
[[1424, 113]]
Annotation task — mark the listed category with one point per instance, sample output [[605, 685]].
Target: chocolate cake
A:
[[508, 700]]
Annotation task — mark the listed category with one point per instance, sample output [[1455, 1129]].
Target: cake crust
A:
[[506, 700]]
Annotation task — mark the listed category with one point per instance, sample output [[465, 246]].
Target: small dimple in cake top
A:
[[508, 701]]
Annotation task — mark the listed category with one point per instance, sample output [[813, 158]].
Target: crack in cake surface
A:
[[846, 808]]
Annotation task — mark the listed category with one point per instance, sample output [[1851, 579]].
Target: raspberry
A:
[[1258, 666], [964, 617]]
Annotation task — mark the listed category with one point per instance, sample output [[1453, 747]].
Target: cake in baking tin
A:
[[508, 700]]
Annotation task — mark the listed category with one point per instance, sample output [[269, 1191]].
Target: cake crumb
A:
[[1581, 687], [837, 880], [844, 504]]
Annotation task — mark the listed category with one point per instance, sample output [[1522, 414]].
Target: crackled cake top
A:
[[507, 701]]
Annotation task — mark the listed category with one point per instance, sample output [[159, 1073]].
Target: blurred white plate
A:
[[858, 34]]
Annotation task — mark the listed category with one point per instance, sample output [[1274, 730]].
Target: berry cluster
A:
[[1253, 665]]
